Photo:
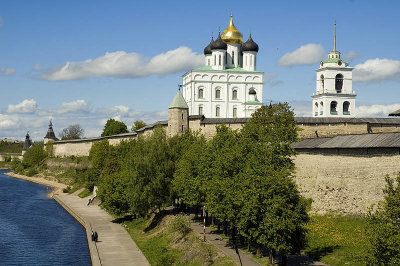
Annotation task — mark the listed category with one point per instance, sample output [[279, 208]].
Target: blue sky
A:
[[131, 45]]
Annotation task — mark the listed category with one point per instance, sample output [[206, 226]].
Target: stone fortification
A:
[[344, 184], [4, 156]]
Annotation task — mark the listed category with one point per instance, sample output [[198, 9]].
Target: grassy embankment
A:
[[338, 240], [169, 240]]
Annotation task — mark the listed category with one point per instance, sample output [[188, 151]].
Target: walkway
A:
[[247, 258], [115, 246]]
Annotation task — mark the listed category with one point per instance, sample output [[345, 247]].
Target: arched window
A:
[[322, 82], [208, 62], [201, 93], [226, 58], [338, 83], [246, 60], [233, 57], [346, 108], [316, 109], [234, 95], [234, 113], [218, 93], [333, 108], [182, 116], [182, 128], [200, 110], [220, 60], [217, 111], [321, 108], [215, 59], [251, 60]]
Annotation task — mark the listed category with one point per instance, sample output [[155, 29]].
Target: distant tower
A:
[[334, 96], [27, 143], [178, 115], [50, 136]]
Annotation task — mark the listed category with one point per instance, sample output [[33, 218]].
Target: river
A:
[[35, 230]]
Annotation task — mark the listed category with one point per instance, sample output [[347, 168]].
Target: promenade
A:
[[114, 246]]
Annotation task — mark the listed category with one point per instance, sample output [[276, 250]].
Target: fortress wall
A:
[[72, 148], [3, 156], [344, 184], [331, 130]]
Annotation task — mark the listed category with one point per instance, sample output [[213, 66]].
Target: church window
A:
[[321, 108], [215, 59], [338, 83], [255, 60], [251, 60], [333, 108], [201, 94], [322, 82], [316, 109], [246, 60], [234, 95], [220, 60], [217, 111], [182, 127], [182, 116], [217, 94], [226, 58], [234, 112], [233, 57], [208, 62], [200, 110], [346, 108]]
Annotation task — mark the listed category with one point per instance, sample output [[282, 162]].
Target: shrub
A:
[[34, 156], [181, 225], [67, 189], [7, 158], [16, 165], [31, 171]]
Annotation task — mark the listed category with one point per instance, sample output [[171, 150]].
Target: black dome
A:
[[207, 50], [250, 46], [218, 44], [252, 91]]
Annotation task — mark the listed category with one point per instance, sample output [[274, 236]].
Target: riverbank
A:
[[57, 187]]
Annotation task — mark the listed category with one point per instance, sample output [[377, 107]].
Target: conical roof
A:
[[231, 34], [207, 50], [50, 132], [27, 143], [218, 44], [250, 45], [178, 101]]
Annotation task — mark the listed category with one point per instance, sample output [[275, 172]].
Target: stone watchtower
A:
[[178, 115], [50, 136], [27, 143]]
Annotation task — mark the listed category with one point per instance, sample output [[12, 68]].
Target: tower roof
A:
[[218, 44], [207, 50], [50, 132], [250, 45], [231, 34], [178, 102], [27, 143]]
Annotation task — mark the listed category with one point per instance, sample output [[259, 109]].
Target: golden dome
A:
[[231, 34]]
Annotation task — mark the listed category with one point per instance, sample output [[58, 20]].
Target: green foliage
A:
[[50, 149], [7, 158], [34, 155], [138, 124], [72, 132], [31, 171], [16, 165], [9, 147], [114, 127], [85, 193], [67, 189], [181, 224], [384, 227]]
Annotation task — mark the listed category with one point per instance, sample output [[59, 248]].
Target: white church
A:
[[228, 86], [334, 96]]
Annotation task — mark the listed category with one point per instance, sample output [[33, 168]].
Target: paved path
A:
[[115, 246], [247, 258]]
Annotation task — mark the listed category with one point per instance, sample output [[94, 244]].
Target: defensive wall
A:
[[4, 156], [341, 162]]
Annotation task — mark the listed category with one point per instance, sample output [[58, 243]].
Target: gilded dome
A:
[[231, 34]]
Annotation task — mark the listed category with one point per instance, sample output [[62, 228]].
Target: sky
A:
[[83, 62]]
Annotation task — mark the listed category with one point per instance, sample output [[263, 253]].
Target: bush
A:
[[31, 171], [7, 158], [67, 189], [16, 165], [34, 156], [181, 225]]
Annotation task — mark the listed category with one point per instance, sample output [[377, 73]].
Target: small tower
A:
[[218, 49], [334, 96], [27, 143], [178, 115], [50, 136], [250, 50]]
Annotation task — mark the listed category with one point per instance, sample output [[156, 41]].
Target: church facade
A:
[[334, 96], [229, 85]]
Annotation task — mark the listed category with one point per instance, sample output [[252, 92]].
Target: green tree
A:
[[114, 127], [274, 213], [34, 155], [384, 229], [138, 124], [72, 132]]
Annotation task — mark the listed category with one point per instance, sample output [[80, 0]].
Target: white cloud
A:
[[307, 54], [73, 107], [116, 110], [376, 69], [376, 110], [271, 80], [26, 106], [7, 71], [37, 67], [121, 64], [7, 121], [351, 55]]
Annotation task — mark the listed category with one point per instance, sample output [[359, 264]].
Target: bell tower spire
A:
[[334, 39]]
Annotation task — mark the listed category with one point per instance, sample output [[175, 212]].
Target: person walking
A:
[[96, 236], [92, 235]]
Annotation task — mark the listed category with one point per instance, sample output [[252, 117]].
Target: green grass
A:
[[85, 193], [337, 240], [165, 243]]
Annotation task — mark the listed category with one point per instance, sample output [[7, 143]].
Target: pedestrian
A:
[[92, 235], [96, 236]]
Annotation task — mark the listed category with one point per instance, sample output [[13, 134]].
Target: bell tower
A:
[[334, 96], [178, 115]]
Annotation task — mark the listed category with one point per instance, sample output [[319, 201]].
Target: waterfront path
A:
[[115, 246]]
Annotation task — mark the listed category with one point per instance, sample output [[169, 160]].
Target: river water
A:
[[35, 230]]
